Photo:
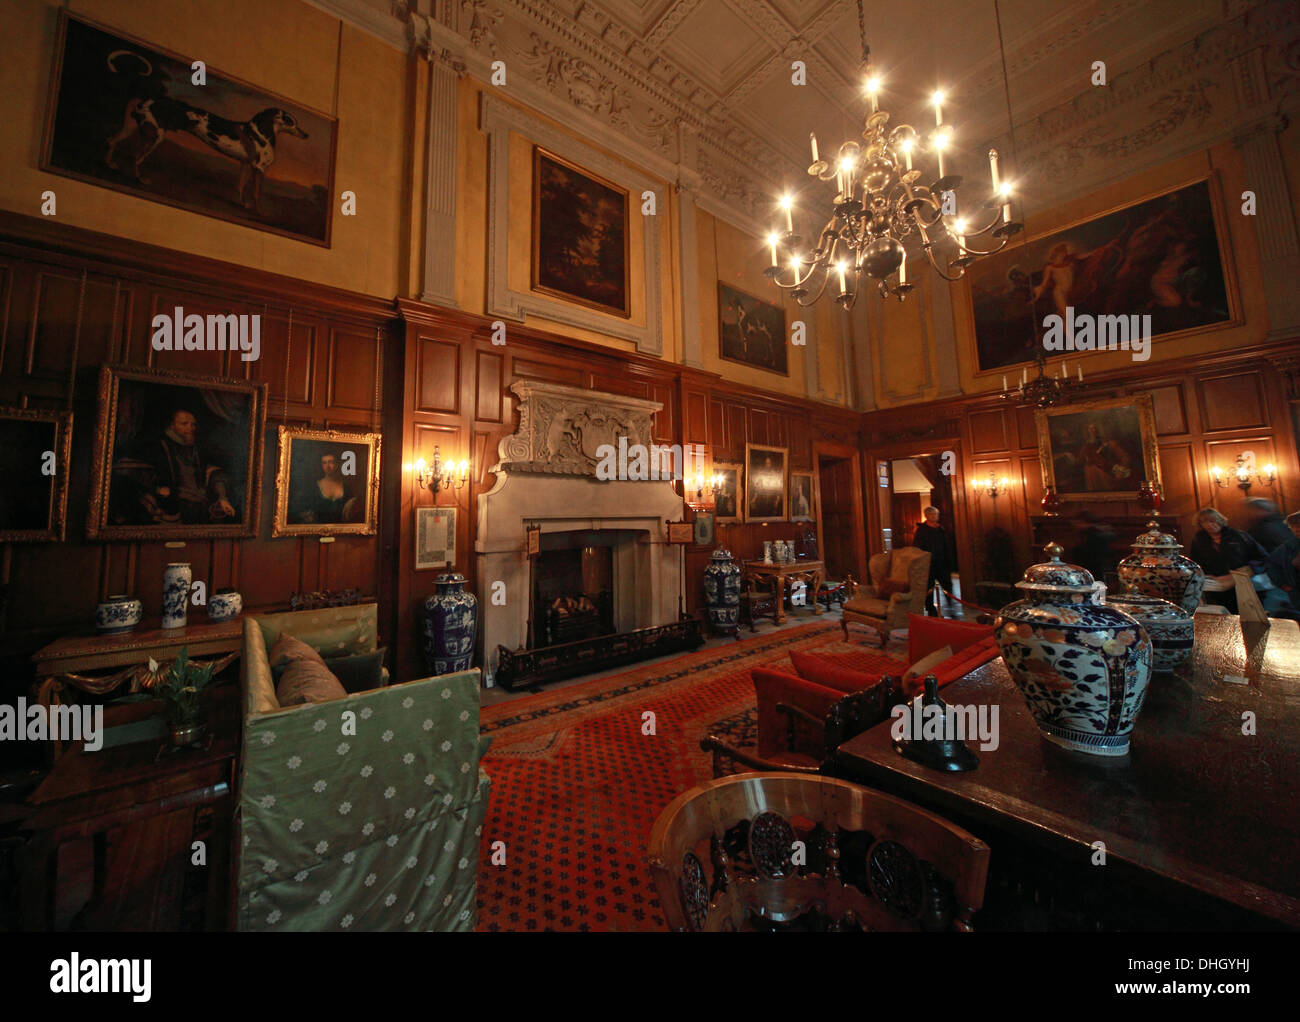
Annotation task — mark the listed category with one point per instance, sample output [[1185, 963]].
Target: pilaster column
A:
[[1275, 224], [439, 286]]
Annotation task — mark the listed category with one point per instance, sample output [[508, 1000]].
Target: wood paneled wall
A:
[[321, 369], [455, 394], [1207, 410]]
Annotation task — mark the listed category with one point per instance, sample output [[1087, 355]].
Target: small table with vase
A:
[[778, 572]]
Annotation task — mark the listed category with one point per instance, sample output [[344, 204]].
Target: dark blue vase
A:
[[450, 623], [722, 592]]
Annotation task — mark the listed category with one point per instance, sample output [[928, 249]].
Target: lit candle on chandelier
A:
[[787, 204], [937, 100], [771, 240], [993, 169], [907, 151], [1006, 201], [873, 87], [902, 271], [960, 225], [940, 141], [812, 139], [844, 287]]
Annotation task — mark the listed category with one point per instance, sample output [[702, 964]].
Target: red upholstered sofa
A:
[[972, 645], [819, 683]]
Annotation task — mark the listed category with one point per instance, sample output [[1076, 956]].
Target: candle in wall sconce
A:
[[1004, 381], [1024, 377], [1080, 368]]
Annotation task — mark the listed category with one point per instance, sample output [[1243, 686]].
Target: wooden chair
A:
[[907, 566], [847, 718], [869, 861], [756, 600]]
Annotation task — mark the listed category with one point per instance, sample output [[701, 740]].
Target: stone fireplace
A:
[[546, 476]]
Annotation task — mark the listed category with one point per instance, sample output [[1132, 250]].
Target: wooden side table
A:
[[121, 659], [810, 571]]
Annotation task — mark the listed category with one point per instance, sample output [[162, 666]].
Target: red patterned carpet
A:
[[576, 786]]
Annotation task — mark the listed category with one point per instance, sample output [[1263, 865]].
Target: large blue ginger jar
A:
[[450, 625], [722, 592], [1082, 666]]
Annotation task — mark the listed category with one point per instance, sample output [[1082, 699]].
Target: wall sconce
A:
[[441, 475], [1245, 474], [704, 486], [993, 487]]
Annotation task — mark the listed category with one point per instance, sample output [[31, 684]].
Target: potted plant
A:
[[180, 687]]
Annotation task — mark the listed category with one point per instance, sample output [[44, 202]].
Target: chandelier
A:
[[1043, 391], [882, 200]]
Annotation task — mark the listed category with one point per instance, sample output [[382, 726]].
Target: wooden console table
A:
[[810, 571], [123, 658]]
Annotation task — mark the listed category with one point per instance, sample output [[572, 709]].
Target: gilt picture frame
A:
[[176, 456], [127, 115], [765, 483], [326, 483], [802, 497], [1099, 450], [729, 497], [581, 250], [35, 458]]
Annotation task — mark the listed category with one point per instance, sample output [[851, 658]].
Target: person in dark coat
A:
[[1283, 565], [1265, 524], [1219, 549], [933, 539]]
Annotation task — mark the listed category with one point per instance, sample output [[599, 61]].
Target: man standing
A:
[[933, 538], [189, 488]]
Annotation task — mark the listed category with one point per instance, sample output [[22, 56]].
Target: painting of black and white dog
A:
[[136, 118]]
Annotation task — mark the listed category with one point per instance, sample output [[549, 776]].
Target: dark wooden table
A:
[[1196, 805], [87, 794]]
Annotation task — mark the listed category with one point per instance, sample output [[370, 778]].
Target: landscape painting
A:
[[580, 236], [127, 115], [1162, 257], [1099, 450], [751, 331]]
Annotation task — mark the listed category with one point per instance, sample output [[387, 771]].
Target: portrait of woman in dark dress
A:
[[933, 538]]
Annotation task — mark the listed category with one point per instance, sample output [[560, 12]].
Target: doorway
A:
[[904, 488]]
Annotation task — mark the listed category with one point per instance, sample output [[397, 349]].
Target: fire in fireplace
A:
[[573, 589]]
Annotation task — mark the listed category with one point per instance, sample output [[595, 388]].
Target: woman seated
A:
[[1219, 549]]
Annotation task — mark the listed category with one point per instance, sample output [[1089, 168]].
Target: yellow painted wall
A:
[[283, 46]]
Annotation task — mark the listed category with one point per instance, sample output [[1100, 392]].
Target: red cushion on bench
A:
[[926, 634], [815, 669]]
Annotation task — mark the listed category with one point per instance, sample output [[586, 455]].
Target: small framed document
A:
[[533, 544], [681, 532], [435, 537]]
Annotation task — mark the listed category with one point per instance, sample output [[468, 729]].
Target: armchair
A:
[[847, 717], [906, 569]]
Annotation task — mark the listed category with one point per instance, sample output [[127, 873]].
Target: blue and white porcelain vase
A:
[[722, 592], [1171, 628], [176, 595], [118, 614], [224, 605], [1156, 568], [1082, 666], [450, 624]]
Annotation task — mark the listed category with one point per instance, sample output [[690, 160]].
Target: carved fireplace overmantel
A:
[[561, 428]]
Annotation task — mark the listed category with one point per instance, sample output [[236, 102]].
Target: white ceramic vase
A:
[[176, 595]]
